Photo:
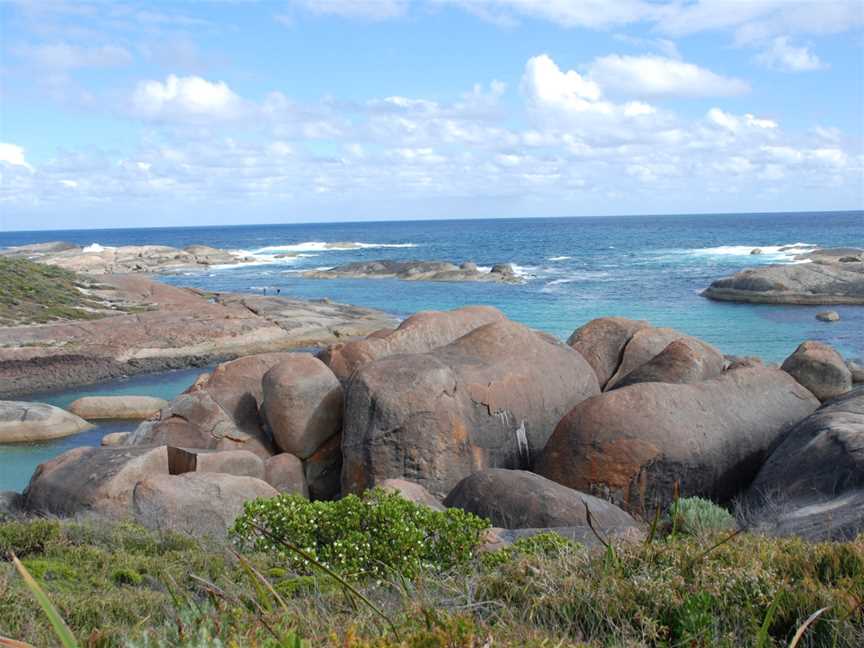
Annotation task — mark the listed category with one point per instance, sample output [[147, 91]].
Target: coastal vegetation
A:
[[117, 584]]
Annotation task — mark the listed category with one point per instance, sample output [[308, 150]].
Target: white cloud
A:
[[63, 56], [367, 9], [188, 97], [782, 55], [736, 123], [595, 14], [659, 76], [13, 155]]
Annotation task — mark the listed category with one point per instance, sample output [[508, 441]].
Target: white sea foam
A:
[[559, 258], [783, 253], [95, 247], [325, 246]]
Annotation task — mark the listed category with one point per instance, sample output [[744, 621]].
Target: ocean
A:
[[575, 269]]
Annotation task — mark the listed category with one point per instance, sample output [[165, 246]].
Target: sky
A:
[[123, 114]]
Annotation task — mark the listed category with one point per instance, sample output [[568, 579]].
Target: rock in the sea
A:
[[756, 251], [98, 480], [130, 408], [285, 473], [631, 445], [413, 492], [490, 399], [828, 316], [22, 422], [517, 499], [419, 333], [240, 463], [686, 360], [302, 404], [115, 438], [203, 505], [219, 414], [812, 485], [416, 271], [820, 369], [823, 277], [601, 342]]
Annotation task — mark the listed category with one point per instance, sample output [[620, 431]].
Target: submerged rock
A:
[[828, 316], [22, 422]]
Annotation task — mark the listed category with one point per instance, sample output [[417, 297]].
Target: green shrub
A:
[[361, 537], [697, 516], [24, 538]]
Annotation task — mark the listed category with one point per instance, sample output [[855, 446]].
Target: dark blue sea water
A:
[[647, 267]]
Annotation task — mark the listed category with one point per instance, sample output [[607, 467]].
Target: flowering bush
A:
[[360, 537]]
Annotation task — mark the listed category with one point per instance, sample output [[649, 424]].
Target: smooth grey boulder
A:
[[645, 344], [285, 473], [686, 360], [828, 316], [241, 463], [115, 438], [517, 499], [412, 492], [812, 485], [302, 404], [98, 480], [489, 399], [22, 422], [856, 369], [630, 445], [820, 369], [203, 505], [130, 408]]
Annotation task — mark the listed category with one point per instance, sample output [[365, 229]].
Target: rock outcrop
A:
[[419, 333], [630, 445], [285, 473], [517, 499], [683, 361], [812, 485], [129, 408], [22, 422], [173, 328], [601, 342], [489, 399], [417, 271], [820, 369], [302, 404], [831, 276], [203, 505]]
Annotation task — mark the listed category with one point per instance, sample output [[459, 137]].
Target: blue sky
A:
[[187, 113]]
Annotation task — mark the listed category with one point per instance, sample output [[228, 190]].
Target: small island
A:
[[418, 271]]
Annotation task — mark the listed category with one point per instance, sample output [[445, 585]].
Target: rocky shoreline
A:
[[468, 409], [828, 276], [418, 271]]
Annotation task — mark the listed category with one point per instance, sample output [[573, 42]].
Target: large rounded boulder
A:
[[22, 422], [128, 408], [813, 483], [203, 505], [631, 445], [219, 412], [302, 404], [489, 399], [601, 342], [683, 361], [419, 333], [820, 369], [517, 499], [643, 346]]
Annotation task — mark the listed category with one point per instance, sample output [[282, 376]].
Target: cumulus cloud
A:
[[780, 54], [65, 56], [659, 76], [183, 98], [13, 155]]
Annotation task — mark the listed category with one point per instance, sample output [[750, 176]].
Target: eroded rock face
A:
[[517, 499], [820, 369], [419, 333], [302, 404], [130, 408], [812, 485], [98, 480], [22, 422], [285, 473], [489, 399], [203, 505], [412, 492], [220, 413], [683, 361], [601, 342], [631, 445]]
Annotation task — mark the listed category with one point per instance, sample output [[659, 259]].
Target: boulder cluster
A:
[[469, 409]]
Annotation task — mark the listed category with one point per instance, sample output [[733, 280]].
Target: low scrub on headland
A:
[[424, 584], [36, 293]]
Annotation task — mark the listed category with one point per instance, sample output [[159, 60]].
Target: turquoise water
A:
[[18, 461], [575, 269]]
